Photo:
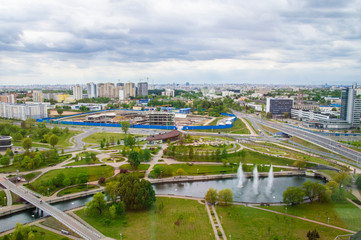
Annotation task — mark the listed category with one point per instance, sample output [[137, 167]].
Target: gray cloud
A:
[[262, 34]]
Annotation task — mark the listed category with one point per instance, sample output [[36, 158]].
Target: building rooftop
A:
[[164, 136]]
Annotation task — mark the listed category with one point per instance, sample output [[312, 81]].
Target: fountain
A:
[[270, 180], [255, 179], [240, 175]]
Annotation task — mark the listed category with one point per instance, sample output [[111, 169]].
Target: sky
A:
[[215, 41]]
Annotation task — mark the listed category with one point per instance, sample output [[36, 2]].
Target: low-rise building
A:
[[24, 111]]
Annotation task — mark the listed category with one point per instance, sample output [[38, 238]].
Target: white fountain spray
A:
[[270, 180], [255, 179], [240, 175]]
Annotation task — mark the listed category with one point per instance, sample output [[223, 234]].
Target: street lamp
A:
[[328, 220], [161, 174], [121, 236], [230, 237], [197, 171], [286, 210], [4, 201], [221, 219], [48, 192]]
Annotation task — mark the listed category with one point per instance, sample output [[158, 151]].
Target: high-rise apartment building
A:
[[8, 98], [129, 90], [92, 90], [23, 111], [142, 89], [38, 96], [106, 90], [77, 92], [350, 106]]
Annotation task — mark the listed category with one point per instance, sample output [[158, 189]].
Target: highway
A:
[[323, 141], [62, 217]]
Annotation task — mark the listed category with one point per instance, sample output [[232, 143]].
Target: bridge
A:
[[62, 217]]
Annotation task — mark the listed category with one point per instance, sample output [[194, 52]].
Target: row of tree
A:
[[332, 190], [222, 197]]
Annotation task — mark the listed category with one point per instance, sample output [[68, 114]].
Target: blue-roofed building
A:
[[185, 110]]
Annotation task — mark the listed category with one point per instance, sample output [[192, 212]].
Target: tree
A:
[[136, 193], [180, 172], [146, 155], [5, 160], [66, 182], [9, 152], [18, 137], [129, 140], [59, 179], [60, 111], [211, 196], [343, 178], [293, 195], [225, 196], [313, 235], [133, 159], [27, 143], [358, 182], [125, 126], [285, 114], [300, 164], [218, 154], [113, 211], [96, 205], [224, 154], [191, 153], [313, 190], [82, 178], [112, 190], [53, 140], [101, 144]]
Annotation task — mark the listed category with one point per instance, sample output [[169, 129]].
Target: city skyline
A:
[[274, 42]]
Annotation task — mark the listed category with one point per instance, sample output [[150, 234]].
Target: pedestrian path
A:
[[216, 224]]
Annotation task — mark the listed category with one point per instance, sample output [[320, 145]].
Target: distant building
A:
[[8, 98], [129, 90], [171, 136], [38, 96], [106, 90], [187, 83], [92, 90], [168, 92], [350, 106], [77, 92], [23, 111], [278, 106], [5, 143], [62, 97], [142, 89]]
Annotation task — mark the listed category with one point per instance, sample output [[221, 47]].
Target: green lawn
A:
[[140, 167], [269, 129], [310, 145], [238, 128], [204, 169], [2, 201], [82, 162], [75, 189], [97, 137], [153, 224], [43, 234], [243, 222], [31, 175], [341, 214], [259, 158], [93, 173]]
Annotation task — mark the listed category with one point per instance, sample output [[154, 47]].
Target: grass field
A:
[[93, 173], [75, 189], [2, 201], [153, 224], [140, 167], [310, 145], [259, 158], [243, 222], [97, 137], [204, 169], [43, 234], [82, 162], [341, 214], [238, 128], [31, 175]]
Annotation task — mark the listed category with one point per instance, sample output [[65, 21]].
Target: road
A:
[[315, 138], [62, 217]]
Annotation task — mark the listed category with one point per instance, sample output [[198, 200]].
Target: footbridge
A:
[[62, 217]]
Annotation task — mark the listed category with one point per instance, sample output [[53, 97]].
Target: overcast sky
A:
[[240, 41]]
